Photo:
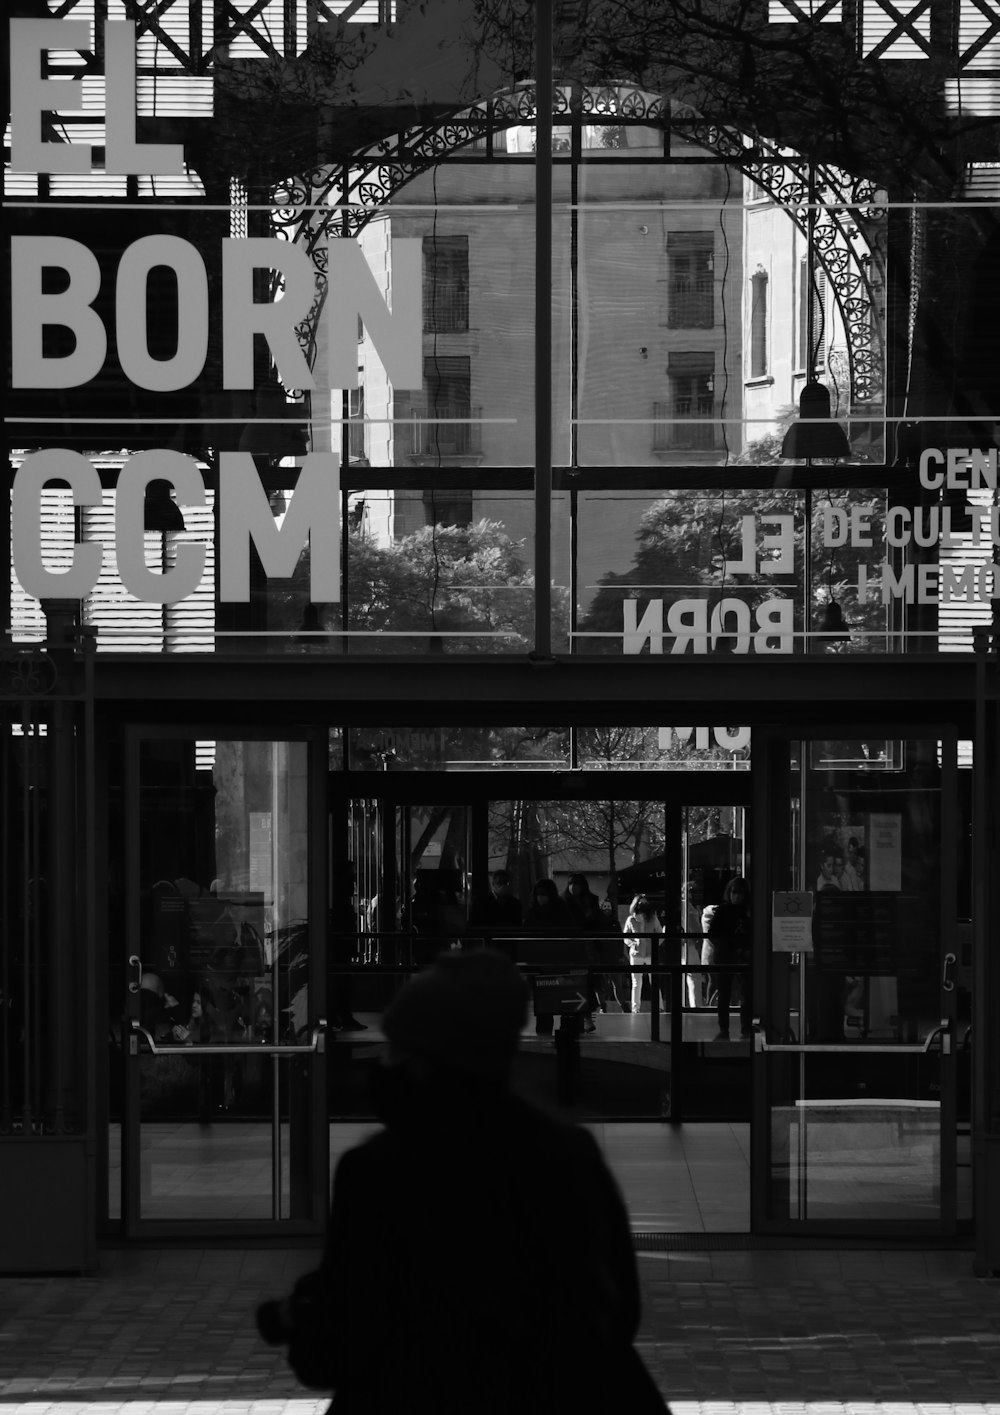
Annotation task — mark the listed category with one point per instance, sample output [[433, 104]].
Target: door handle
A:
[[942, 1030], [947, 973], [135, 962]]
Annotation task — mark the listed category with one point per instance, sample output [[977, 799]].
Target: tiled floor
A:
[[688, 1179], [170, 1332]]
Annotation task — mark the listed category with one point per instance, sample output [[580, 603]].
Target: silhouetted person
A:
[[438, 915], [479, 1260], [546, 914], [604, 954], [727, 941], [497, 912]]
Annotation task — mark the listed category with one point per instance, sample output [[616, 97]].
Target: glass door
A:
[[223, 1037], [854, 1084]]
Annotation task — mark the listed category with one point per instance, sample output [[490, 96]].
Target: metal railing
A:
[[424, 428]]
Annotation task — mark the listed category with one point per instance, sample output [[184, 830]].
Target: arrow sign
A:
[[562, 995]]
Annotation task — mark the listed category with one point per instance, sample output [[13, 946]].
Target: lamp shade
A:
[[160, 512], [815, 434], [832, 624], [275, 435]]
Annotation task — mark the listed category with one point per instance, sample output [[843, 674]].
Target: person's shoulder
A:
[[547, 1132], [378, 1149]]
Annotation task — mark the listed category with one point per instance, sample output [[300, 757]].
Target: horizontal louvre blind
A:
[[174, 96], [958, 618], [191, 622], [979, 34], [882, 34], [263, 35], [125, 624], [163, 26], [785, 12], [983, 180], [978, 97]]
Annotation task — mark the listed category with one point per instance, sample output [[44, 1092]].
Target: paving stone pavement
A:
[[170, 1332]]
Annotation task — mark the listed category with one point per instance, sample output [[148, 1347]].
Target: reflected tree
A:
[[693, 539]]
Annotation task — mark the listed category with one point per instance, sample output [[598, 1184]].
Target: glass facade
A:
[[372, 384]]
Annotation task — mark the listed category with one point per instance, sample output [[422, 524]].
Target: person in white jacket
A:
[[642, 923]]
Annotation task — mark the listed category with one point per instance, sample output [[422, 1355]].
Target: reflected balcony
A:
[[683, 426], [436, 434]]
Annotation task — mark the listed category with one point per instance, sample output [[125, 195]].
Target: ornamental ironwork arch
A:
[[848, 231]]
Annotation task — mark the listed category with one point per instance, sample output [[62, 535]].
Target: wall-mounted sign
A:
[[791, 921], [55, 283], [885, 851]]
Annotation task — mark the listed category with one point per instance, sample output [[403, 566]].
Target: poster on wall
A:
[[885, 852], [841, 853], [260, 852], [856, 933]]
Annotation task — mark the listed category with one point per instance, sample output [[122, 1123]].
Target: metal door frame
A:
[[475, 789], [770, 867], [133, 1225]]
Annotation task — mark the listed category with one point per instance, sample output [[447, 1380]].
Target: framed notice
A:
[[260, 852], [885, 851], [791, 921]]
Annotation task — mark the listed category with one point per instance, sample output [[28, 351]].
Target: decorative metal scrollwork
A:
[[849, 231], [27, 672]]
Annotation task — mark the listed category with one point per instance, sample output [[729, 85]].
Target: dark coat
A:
[[604, 941], [727, 926], [479, 1260], [490, 912], [553, 915]]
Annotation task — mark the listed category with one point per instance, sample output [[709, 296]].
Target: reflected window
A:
[[758, 324], [691, 385], [691, 279], [448, 508], [820, 333], [446, 284], [356, 430]]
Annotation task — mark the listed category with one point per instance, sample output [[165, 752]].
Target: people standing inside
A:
[[496, 913], [692, 904], [852, 877], [827, 878], [438, 913], [546, 914], [640, 929], [727, 944], [587, 919], [518, 1320]]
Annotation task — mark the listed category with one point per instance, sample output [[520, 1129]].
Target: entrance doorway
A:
[[217, 1041], [863, 1018], [258, 868], [425, 851], [665, 1096]]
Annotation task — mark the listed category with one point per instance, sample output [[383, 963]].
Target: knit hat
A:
[[465, 1012]]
